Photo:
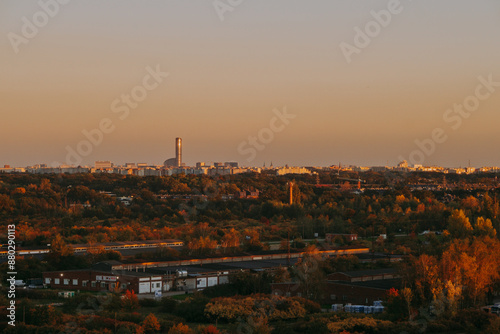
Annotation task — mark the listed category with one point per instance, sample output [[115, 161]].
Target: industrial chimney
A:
[[178, 152]]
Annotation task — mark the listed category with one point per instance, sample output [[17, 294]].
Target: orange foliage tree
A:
[[151, 324], [130, 301]]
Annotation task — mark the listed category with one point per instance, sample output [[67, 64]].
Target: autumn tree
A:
[[395, 304], [180, 328], [58, 247], [484, 227], [150, 324], [407, 296], [424, 276], [130, 302], [459, 225], [252, 240], [473, 265], [230, 240], [471, 203], [490, 207], [275, 308], [211, 329], [308, 273], [201, 245], [6, 203]]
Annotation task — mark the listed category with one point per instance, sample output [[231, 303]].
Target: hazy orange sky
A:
[[226, 77]]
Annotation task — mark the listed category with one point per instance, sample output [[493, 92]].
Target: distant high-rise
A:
[[178, 152], [103, 164], [177, 161]]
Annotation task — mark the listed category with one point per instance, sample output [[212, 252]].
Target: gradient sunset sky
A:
[[226, 77]]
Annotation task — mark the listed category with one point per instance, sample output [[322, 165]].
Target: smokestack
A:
[[178, 152]]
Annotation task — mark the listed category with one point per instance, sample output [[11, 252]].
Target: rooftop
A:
[[370, 272]]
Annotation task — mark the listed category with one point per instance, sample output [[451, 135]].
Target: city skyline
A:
[[217, 78]]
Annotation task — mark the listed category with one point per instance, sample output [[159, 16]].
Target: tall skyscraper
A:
[[177, 161], [178, 152]]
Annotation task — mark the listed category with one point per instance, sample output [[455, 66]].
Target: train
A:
[[119, 245]]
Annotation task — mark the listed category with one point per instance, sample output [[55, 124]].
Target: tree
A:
[[231, 239], [211, 329], [130, 302], [395, 304], [459, 225], [6, 203], [472, 265], [471, 203], [180, 328], [309, 274], [453, 295], [201, 245], [484, 227], [259, 325], [59, 248], [489, 207], [252, 240], [407, 295], [425, 277], [151, 324]]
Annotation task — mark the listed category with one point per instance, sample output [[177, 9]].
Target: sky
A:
[[234, 65]]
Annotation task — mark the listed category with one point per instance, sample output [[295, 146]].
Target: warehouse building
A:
[[105, 276], [362, 287]]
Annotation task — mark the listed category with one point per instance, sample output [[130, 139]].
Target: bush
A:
[[88, 301], [494, 327], [134, 317], [224, 290], [211, 329], [363, 325], [180, 329], [443, 325], [283, 328], [193, 308], [149, 302], [473, 320], [36, 294], [28, 329], [312, 326], [309, 305], [273, 307], [168, 304]]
